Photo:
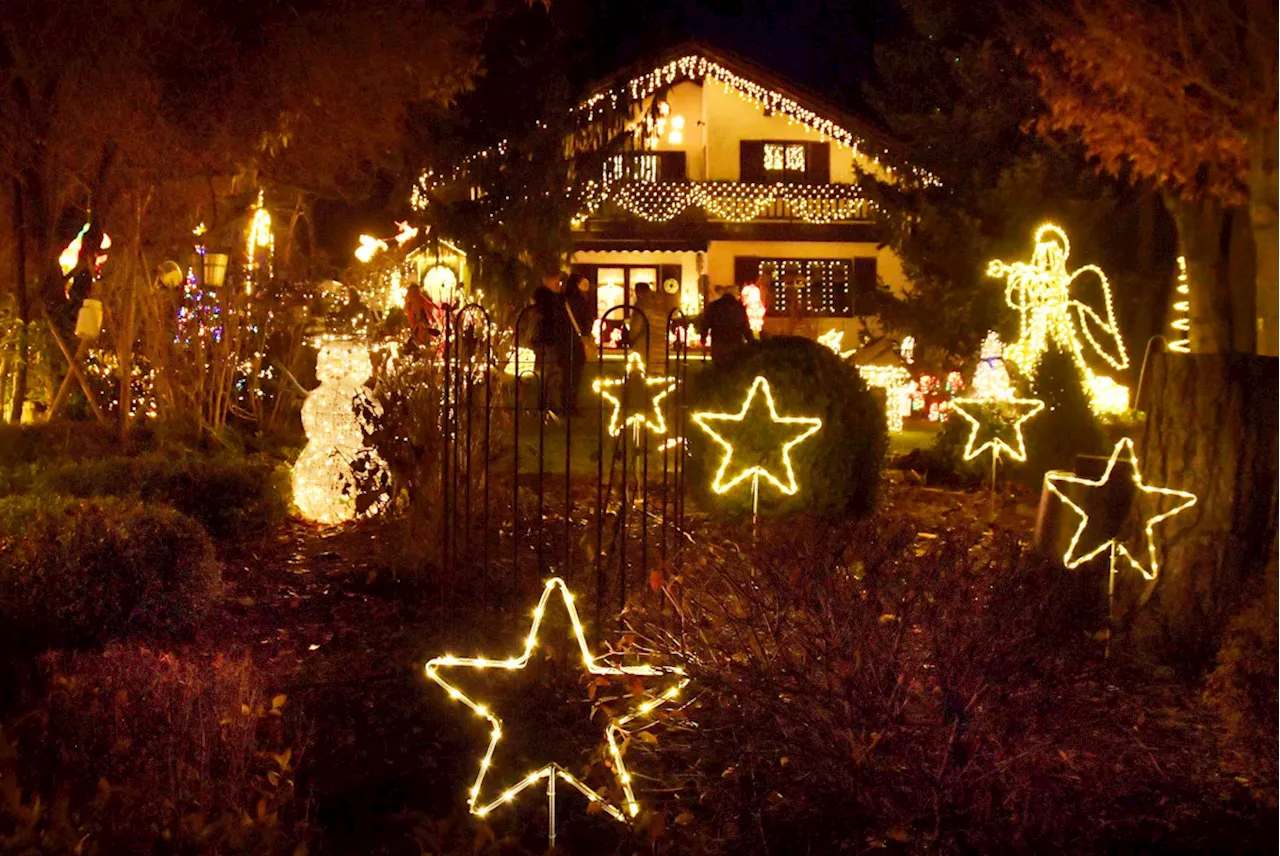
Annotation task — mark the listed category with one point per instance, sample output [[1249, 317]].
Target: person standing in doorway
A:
[[725, 322]]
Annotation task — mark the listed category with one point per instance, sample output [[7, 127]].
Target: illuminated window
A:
[[810, 288], [783, 158], [611, 289]]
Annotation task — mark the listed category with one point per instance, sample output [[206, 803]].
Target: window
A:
[[813, 288], [769, 161], [645, 166]]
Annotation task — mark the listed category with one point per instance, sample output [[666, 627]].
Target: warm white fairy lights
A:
[[732, 201], [867, 157], [991, 377], [800, 428], [614, 732], [821, 286], [834, 339], [898, 387], [635, 380], [324, 487], [1077, 553], [260, 244], [1181, 323], [999, 412], [1041, 292], [369, 247]]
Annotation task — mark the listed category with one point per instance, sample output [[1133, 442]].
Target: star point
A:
[[807, 426]]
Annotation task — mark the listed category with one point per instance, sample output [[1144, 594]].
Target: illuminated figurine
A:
[[324, 483]]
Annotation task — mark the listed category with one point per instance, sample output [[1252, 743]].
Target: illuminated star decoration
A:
[[1022, 409], [594, 667], [805, 427], [1078, 554], [1041, 292], [633, 373]]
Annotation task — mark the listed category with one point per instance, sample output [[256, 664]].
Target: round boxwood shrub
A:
[[837, 469], [1067, 426], [232, 497], [81, 571]]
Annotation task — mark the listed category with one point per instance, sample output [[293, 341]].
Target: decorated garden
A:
[[417, 436]]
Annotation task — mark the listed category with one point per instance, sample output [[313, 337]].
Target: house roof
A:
[[694, 60]]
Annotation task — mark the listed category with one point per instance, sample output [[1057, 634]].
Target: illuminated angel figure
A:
[[1042, 292]]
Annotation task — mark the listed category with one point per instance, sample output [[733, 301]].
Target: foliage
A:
[[1243, 688], [838, 469], [81, 571], [231, 496], [1066, 427], [135, 750], [863, 687]]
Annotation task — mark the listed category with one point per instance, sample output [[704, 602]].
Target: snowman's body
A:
[[324, 486]]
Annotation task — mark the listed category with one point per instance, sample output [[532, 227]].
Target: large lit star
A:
[[611, 732], [632, 375], [800, 428], [1077, 553], [1021, 409]]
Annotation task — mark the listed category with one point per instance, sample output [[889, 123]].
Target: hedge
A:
[[81, 571]]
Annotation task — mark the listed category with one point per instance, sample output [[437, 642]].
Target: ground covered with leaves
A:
[[915, 683]]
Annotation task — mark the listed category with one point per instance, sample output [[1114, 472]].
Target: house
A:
[[730, 176]]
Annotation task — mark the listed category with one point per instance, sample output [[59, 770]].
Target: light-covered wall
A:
[[720, 256]]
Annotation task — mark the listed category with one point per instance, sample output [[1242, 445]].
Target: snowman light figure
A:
[[324, 482]]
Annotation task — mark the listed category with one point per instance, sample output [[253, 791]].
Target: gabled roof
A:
[[874, 150]]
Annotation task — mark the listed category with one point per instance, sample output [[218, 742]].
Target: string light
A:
[[634, 376], [1041, 292], [1182, 307], [803, 427], [1000, 412], [907, 350], [823, 288], [612, 731], [71, 254], [898, 389], [733, 201], [834, 339], [1078, 554], [323, 480], [698, 69], [991, 377], [260, 238]]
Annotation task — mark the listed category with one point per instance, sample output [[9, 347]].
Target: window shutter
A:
[[818, 163], [751, 161], [745, 270], [864, 284], [672, 166]]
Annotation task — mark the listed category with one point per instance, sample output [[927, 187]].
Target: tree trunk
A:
[[1204, 229], [1212, 430], [1263, 205], [24, 306]]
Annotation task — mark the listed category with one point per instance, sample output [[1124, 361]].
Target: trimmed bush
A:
[[1066, 427], [81, 571], [232, 497], [837, 470]]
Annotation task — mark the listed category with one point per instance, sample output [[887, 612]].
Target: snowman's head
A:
[[343, 361]]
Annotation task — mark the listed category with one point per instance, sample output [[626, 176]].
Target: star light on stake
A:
[[804, 428], [553, 770], [1078, 554], [635, 369], [1022, 408]]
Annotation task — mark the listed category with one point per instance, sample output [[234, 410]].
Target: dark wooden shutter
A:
[[864, 284], [818, 163], [745, 270], [751, 161], [672, 166]]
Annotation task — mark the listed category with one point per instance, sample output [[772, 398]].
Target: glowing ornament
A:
[[324, 485], [799, 429], [907, 350], [834, 339], [991, 377], [406, 234], [1041, 292], [634, 379], [899, 390], [71, 254], [1181, 324], [754, 304], [261, 243], [1000, 413], [369, 247], [1078, 553], [481, 806]]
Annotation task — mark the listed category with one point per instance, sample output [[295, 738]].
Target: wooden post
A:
[[1211, 429]]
